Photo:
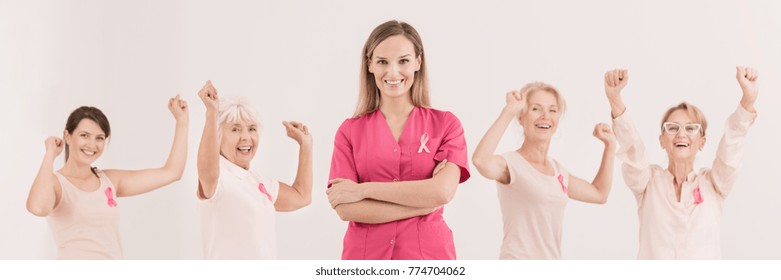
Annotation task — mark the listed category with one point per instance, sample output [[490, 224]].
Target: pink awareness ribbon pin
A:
[[423, 141], [110, 197], [262, 189], [561, 181], [697, 196]]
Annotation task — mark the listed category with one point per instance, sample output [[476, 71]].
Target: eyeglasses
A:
[[690, 128]]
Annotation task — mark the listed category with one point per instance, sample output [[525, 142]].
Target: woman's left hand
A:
[[178, 108], [604, 133], [344, 191], [298, 131]]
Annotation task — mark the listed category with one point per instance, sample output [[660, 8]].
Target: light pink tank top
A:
[[85, 225]]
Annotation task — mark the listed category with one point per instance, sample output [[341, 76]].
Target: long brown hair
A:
[[369, 93]]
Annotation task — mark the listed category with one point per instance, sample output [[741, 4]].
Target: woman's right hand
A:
[[54, 146], [515, 104], [615, 81], [208, 95]]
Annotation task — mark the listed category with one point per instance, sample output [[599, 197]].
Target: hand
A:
[[299, 132], [747, 78], [343, 191], [439, 167], [54, 145], [515, 103], [615, 81], [178, 108], [603, 132], [208, 95]]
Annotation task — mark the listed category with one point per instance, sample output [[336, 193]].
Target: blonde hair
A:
[[692, 111], [368, 92], [235, 109], [533, 87]]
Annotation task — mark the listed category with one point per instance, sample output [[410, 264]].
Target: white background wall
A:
[[298, 60]]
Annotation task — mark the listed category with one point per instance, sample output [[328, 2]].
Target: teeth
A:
[[244, 149], [88, 152], [393, 82], [681, 145], [546, 126]]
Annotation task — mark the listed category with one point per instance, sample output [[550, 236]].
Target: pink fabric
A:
[[263, 190], [110, 197], [561, 182], [366, 151], [697, 196]]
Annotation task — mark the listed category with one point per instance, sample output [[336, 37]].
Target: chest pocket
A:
[[423, 152]]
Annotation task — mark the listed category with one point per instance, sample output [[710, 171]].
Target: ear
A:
[[418, 61], [702, 145], [66, 136], [369, 65], [661, 143]]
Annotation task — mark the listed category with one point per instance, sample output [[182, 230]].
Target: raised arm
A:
[[133, 182], [615, 81], [730, 150], [209, 148], [46, 189], [635, 169], [490, 165], [292, 197], [598, 190]]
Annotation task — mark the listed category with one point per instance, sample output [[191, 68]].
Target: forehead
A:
[[90, 126], [394, 46], [240, 122], [681, 116], [542, 97]]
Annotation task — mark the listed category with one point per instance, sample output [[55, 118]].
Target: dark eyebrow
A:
[[87, 132], [403, 56]]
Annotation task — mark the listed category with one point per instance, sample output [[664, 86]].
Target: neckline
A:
[[100, 183], [551, 162], [403, 129]]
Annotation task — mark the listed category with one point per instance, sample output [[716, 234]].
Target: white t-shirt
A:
[[237, 222]]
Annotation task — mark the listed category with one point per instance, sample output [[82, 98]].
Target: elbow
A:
[[479, 163], [343, 215], [38, 211]]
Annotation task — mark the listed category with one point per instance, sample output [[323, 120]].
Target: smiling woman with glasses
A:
[[680, 208]]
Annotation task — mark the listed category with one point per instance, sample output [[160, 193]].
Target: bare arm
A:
[[44, 192], [134, 182], [490, 165], [598, 190], [209, 148], [300, 193], [371, 211], [428, 193]]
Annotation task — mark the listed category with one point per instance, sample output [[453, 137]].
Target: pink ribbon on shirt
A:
[[110, 197], [697, 196], [262, 189], [561, 181], [423, 141]]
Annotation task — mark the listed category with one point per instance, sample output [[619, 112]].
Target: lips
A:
[[88, 153], [244, 149], [681, 145], [393, 82], [542, 126]]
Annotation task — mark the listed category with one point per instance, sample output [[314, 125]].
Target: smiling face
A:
[[86, 143], [393, 65], [682, 143], [540, 120], [239, 142]]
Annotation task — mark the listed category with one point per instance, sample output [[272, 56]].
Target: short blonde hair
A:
[[235, 109], [692, 111], [533, 87]]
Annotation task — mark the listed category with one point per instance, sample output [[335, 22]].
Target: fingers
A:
[[616, 77], [294, 125], [208, 91]]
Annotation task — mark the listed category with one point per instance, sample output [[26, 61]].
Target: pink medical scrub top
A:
[[366, 151]]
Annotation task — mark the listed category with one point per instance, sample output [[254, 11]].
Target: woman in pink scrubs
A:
[[680, 208], [383, 177], [533, 188], [79, 200]]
